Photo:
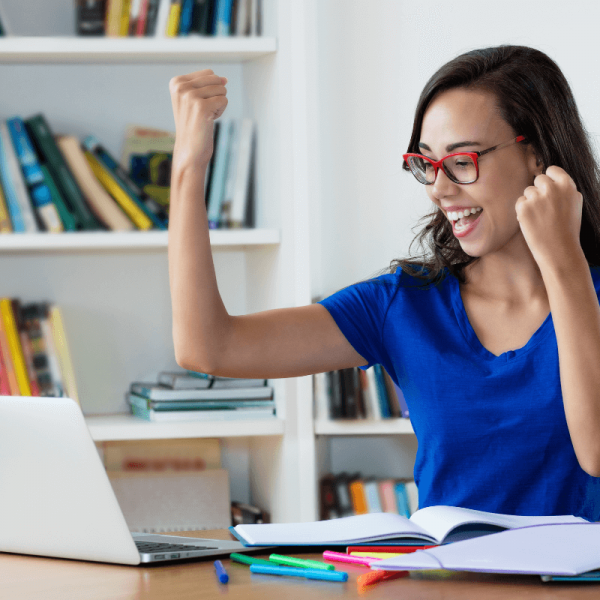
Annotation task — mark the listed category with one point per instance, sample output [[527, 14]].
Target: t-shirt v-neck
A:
[[471, 337]]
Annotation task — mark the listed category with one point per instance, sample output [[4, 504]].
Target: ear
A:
[[534, 161]]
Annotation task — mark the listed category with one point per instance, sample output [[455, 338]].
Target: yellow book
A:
[[124, 24], [114, 11], [64, 355], [14, 345], [376, 554], [5, 224], [132, 210], [174, 16]]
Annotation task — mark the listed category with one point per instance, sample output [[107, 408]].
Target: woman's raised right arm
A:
[[276, 343]]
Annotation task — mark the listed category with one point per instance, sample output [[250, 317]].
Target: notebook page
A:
[[347, 529], [439, 521], [558, 549]]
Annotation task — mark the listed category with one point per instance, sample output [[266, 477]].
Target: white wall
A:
[[374, 57]]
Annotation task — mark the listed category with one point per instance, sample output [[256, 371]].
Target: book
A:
[[388, 496], [217, 188], [142, 19], [359, 498], [185, 380], [9, 326], [7, 363], [434, 525], [124, 23], [63, 353], [222, 17], [372, 496], [203, 415], [553, 548], [158, 405], [89, 17], [114, 11], [27, 348], [134, 15], [39, 193], [154, 391], [30, 315], [5, 224], [162, 18], [18, 200], [202, 17], [241, 23], [154, 211], [173, 20], [382, 392], [103, 205], [242, 175], [196, 454], [402, 499], [69, 222], [112, 186], [185, 21], [51, 350], [49, 153]]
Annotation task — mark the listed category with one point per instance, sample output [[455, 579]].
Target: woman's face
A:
[[458, 116]]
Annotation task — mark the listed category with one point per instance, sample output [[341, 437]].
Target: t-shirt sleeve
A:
[[359, 310]]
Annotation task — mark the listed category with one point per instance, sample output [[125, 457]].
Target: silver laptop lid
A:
[[55, 496]]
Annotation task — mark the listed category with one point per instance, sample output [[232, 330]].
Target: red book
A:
[[399, 549], [140, 29]]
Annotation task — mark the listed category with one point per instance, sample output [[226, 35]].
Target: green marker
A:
[[303, 563], [248, 560]]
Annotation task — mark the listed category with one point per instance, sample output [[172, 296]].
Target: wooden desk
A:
[[28, 578]]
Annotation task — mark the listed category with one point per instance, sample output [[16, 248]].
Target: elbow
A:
[[191, 361]]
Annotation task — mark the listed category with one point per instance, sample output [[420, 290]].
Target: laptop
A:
[[56, 499]]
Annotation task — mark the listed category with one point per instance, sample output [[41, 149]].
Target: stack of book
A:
[[358, 394], [59, 183], [169, 18], [34, 354], [348, 494], [187, 396]]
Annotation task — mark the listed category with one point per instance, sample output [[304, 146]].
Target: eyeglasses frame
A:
[[473, 155]]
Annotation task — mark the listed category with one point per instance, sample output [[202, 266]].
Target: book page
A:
[[373, 526], [440, 521]]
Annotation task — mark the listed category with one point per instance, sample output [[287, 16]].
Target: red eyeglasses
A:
[[460, 167]]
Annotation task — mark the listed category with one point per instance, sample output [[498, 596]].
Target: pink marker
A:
[[346, 558]]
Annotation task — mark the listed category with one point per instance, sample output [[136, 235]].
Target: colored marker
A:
[[299, 572], [376, 555], [303, 563], [346, 558], [378, 575], [221, 572], [249, 560]]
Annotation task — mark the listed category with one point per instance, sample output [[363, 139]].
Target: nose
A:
[[443, 186]]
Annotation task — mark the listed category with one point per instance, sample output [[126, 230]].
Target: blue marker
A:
[[296, 572], [221, 572]]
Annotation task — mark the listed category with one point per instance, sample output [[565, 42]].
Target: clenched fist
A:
[[198, 99]]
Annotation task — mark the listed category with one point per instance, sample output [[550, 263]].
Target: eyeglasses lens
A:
[[460, 169]]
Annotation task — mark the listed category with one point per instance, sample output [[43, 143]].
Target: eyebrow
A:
[[451, 147]]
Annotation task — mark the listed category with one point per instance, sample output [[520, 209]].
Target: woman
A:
[[494, 337]]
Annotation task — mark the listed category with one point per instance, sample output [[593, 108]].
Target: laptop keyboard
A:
[[149, 547]]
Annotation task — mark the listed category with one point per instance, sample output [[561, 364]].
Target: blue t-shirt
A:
[[491, 430]]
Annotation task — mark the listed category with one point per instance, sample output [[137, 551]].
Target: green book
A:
[[66, 217], [43, 139]]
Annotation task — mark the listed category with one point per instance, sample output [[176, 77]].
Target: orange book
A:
[[359, 498], [14, 345]]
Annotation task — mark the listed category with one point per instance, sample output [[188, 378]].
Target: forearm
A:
[[200, 319], [576, 317]]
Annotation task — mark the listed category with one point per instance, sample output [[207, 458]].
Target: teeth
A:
[[455, 216]]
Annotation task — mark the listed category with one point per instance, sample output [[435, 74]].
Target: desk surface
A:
[[26, 577]]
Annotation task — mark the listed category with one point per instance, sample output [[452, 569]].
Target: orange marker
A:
[[377, 575]]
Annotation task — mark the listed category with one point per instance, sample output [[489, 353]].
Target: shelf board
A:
[[105, 428], [364, 427], [129, 240], [127, 50]]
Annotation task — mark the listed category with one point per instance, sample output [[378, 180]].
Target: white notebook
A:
[[557, 549], [431, 525]]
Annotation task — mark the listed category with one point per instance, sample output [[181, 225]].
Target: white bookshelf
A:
[[364, 427], [113, 288]]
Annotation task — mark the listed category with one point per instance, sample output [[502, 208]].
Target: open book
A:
[[431, 525]]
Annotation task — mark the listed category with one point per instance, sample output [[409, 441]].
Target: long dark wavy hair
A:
[[535, 99]]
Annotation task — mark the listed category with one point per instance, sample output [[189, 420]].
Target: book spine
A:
[[124, 20], [242, 176], [373, 396], [388, 498], [28, 356], [218, 178], [16, 181], [159, 217], [381, 392], [59, 337], [200, 17], [142, 21], [402, 402], [226, 205], [31, 314], [5, 224], [114, 11], [372, 496], [401, 499], [90, 17], [242, 22], [162, 18], [14, 345], [68, 221], [44, 140], [152, 17], [4, 383], [51, 352], [223, 17], [359, 499], [174, 16], [8, 362], [185, 22], [134, 16], [134, 212]]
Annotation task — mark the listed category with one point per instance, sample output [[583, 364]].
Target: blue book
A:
[[12, 202], [222, 17], [217, 186], [382, 392], [402, 499], [372, 494], [185, 19]]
